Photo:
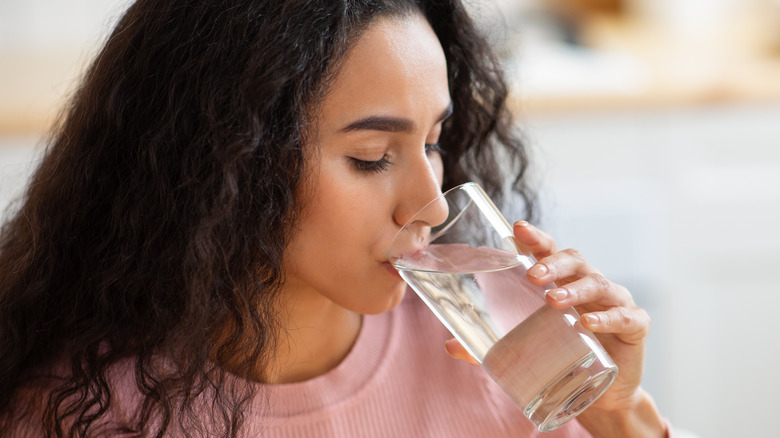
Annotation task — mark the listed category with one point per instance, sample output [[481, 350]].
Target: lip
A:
[[391, 270]]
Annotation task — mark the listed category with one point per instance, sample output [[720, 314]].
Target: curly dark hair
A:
[[155, 224]]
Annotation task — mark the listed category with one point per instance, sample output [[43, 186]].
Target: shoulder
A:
[[49, 393]]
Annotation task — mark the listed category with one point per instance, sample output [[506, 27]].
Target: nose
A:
[[419, 200]]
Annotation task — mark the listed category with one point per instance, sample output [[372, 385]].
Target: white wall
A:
[[49, 24], [683, 208]]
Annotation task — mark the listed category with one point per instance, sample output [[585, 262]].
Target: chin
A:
[[389, 302]]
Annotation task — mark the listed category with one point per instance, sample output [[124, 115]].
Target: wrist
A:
[[638, 418]]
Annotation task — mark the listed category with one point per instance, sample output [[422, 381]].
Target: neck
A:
[[316, 336]]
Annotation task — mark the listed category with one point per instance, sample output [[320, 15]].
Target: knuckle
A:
[[626, 293], [575, 254], [599, 280], [621, 318], [625, 318]]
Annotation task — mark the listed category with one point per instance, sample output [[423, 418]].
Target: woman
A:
[[201, 250]]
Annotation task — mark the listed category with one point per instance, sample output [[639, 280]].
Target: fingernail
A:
[[558, 294], [451, 347], [525, 224], [538, 271], [592, 319]]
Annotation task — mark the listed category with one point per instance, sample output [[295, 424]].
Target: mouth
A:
[[391, 270]]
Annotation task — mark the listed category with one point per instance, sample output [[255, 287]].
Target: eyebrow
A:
[[390, 124]]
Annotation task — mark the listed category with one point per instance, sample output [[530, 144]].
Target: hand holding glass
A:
[[471, 274]]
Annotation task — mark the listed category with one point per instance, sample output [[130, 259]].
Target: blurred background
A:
[[654, 126]]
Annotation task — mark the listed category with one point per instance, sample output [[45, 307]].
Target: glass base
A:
[[570, 393]]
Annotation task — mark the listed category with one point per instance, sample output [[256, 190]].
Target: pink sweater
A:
[[397, 381]]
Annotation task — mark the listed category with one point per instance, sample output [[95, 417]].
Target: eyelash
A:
[[433, 147], [383, 163], [372, 166]]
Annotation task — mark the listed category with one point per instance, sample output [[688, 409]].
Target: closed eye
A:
[[371, 166]]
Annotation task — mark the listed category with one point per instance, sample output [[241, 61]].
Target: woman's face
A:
[[373, 164]]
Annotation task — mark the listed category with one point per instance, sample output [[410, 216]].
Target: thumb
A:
[[457, 351]]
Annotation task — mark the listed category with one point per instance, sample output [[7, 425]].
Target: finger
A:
[[566, 264], [532, 240], [631, 325], [456, 350], [592, 289]]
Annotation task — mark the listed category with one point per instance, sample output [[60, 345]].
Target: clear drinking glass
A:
[[471, 274]]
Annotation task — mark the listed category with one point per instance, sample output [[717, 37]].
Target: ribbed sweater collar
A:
[[355, 373]]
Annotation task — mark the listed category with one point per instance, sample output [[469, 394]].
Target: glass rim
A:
[[449, 222]]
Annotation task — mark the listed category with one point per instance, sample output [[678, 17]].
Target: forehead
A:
[[396, 67]]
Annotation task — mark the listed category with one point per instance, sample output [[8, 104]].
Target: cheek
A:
[[344, 211], [337, 235], [339, 247]]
